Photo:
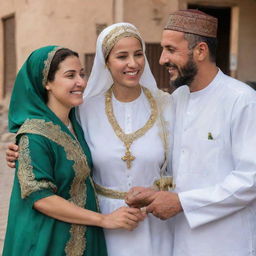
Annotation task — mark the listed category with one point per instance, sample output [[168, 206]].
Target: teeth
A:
[[78, 92], [171, 70], [132, 73]]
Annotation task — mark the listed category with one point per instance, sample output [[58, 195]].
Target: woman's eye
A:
[[70, 75], [82, 75], [121, 57]]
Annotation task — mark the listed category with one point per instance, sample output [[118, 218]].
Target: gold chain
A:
[[128, 139]]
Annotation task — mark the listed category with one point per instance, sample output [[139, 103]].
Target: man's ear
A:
[[201, 51]]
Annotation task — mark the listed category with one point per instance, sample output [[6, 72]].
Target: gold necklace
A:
[[128, 139]]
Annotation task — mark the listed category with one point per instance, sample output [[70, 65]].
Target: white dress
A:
[[214, 166], [153, 236]]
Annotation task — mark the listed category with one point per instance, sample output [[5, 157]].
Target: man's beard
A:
[[186, 74]]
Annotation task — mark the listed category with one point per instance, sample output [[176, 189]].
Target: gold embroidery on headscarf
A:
[[115, 35], [77, 243], [26, 177], [47, 64], [128, 139]]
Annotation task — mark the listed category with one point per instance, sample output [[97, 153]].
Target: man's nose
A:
[[163, 58]]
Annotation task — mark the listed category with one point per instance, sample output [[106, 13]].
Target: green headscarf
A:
[[28, 100]]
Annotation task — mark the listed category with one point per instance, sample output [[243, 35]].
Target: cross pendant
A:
[[128, 158]]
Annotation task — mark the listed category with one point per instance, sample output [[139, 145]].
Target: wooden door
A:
[[9, 54]]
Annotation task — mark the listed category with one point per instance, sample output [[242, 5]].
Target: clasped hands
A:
[[162, 204]]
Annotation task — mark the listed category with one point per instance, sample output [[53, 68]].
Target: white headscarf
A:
[[100, 79]]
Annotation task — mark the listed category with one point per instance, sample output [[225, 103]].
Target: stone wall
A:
[[74, 24], [5, 136]]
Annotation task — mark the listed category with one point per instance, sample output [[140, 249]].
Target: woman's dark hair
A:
[[193, 40], [59, 56]]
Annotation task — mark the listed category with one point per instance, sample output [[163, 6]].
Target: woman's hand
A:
[[61, 209], [124, 217], [12, 155], [140, 197]]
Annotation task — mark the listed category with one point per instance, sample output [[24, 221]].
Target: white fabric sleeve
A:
[[238, 189]]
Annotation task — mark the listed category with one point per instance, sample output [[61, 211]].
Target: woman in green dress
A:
[[53, 208]]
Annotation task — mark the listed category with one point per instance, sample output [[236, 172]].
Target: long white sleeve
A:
[[238, 189]]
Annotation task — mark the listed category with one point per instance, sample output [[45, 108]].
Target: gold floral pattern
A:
[[162, 99], [28, 183], [77, 243], [47, 64], [115, 35], [128, 139], [110, 193]]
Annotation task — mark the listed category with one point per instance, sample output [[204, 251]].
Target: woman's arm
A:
[[61, 209]]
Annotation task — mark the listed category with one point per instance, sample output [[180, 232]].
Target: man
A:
[[213, 160]]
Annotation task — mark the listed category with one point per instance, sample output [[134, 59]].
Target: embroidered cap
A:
[[194, 22]]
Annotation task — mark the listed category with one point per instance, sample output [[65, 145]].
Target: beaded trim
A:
[[110, 193], [26, 177], [47, 64], [162, 100], [162, 184], [128, 139], [115, 35]]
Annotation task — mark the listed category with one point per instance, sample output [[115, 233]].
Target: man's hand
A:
[[12, 155], [165, 205], [139, 197]]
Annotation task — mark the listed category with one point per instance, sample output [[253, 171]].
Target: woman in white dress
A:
[[127, 124], [126, 121]]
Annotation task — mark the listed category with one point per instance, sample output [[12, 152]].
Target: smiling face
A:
[[177, 58], [66, 89], [126, 62]]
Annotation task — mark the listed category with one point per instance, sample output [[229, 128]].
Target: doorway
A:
[[223, 14], [153, 53], [9, 54]]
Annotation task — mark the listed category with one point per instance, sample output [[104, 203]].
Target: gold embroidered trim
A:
[[28, 183], [77, 243], [115, 35], [165, 183], [162, 101], [47, 64], [128, 139], [110, 193], [95, 192]]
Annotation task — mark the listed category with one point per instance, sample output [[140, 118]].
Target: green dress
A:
[[51, 162]]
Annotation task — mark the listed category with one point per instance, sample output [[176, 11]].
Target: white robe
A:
[[153, 236], [214, 167]]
